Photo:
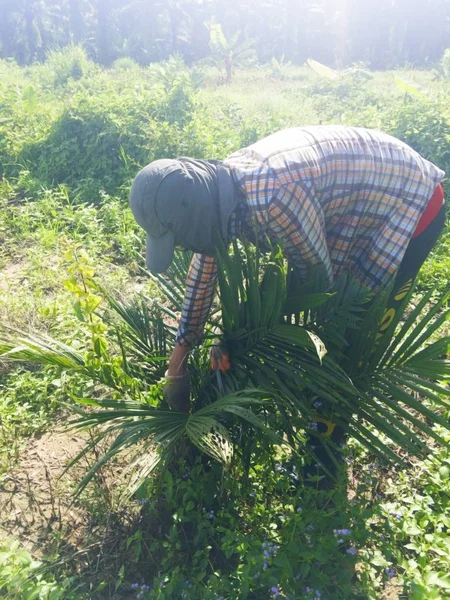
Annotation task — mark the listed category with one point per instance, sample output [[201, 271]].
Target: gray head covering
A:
[[182, 202]]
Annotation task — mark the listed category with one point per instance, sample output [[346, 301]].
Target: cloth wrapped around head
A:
[[182, 202]]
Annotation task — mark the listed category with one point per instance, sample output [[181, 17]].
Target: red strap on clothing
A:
[[433, 207]]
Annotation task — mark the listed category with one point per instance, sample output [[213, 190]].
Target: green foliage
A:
[[384, 33], [22, 577], [362, 381], [220, 539], [69, 63], [83, 149], [222, 535], [28, 401], [421, 520], [125, 64], [423, 125], [229, 54], [113, 346], [279, 67]]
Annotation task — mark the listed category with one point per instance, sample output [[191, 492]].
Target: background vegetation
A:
[[384, 34]]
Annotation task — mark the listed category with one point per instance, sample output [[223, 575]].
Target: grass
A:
[[49, 227]]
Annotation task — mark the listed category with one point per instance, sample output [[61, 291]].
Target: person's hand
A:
[[219, 357], [177, 392]]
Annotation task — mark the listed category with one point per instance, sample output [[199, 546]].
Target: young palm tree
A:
[[291, 349]]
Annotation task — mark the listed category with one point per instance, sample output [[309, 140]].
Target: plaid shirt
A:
[[339, 198]]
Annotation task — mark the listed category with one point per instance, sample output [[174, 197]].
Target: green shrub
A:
[[69, 63], [22, 577], [423, 125], [125, 64], [83, 147]]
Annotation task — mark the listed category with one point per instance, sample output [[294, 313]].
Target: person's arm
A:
[[200, 285]]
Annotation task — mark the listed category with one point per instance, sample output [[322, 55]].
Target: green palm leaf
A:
[[148, 428], [286, 353]]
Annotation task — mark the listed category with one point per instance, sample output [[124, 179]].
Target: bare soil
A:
[[35, 498]]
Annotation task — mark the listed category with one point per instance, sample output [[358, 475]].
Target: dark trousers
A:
[[416, 253]]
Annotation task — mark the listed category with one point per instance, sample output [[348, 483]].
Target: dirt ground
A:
[[36, 502], [35, 498]]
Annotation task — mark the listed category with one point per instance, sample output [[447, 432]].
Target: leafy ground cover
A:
[[70, 142]]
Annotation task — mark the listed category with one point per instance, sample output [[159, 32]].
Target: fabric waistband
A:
[[433, 207]]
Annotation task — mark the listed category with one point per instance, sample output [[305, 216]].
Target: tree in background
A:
[[384, 33], [229, 54]]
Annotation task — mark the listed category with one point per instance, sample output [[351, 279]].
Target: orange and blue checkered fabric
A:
[[337, 198]]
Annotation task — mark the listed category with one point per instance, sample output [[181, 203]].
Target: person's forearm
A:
[[178, 361]]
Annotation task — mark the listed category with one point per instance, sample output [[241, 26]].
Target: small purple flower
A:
[[389, 572], [310, 528], [379, 496], [298, 576], [265, 565], [147, 587], [266, 553], [264, 545], [220, 598], [307, 589], [252, 494], [299, 509], [134, 586], [275, 591], [317, 404], [211, 515], [351, 551], [345, 532], [398, 516], [318, 595], [161, 585]]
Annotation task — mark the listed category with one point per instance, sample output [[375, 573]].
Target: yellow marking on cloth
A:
[[387, 319], [330, 426], [403, 290]]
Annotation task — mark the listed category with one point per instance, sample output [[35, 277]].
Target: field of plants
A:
[[162, 506]]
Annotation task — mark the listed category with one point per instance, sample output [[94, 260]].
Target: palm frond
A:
[[290, 346], [360, 375], [151, 429]]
